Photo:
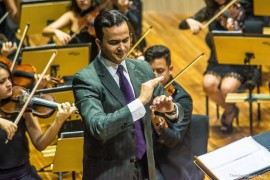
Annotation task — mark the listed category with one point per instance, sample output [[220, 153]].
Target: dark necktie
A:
[[129, 96]]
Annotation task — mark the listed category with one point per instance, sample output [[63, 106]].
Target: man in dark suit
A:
[[113, 148], [172, 142]]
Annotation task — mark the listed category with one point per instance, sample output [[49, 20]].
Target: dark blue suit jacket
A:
[[172, 148]]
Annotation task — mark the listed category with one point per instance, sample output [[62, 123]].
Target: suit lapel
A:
[[109, 82], [136, 77]]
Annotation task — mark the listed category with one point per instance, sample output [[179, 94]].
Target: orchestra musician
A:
[[14, 154], [80, 18], [221, 79], [114, 95], [172, 143]]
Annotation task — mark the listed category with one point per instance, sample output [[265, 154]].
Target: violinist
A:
[[221, 79], [80, 18], [14, 154], [172, 143]]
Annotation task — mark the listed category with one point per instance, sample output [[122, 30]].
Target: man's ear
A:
[[98, 43], [171, 69], [131, 38]]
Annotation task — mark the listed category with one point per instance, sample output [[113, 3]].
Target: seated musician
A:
[[172, 143], [14, 154], [80, 18], [221, 79]]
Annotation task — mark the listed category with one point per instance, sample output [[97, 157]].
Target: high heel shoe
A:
[[228, 128]]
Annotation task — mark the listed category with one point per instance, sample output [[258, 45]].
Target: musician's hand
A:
[[9, 127], [65, 110], [194, 26], [232, 25], [158, 122], [163, 104], [8, 48], [63, 37]]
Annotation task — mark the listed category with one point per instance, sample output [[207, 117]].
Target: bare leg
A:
[[211, 87], [229, 85]]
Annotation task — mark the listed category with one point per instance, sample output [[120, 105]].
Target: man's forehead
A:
[[116, 32]]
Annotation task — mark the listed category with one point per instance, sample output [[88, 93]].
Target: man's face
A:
[[115, 43], [220, 2], [160, 68]]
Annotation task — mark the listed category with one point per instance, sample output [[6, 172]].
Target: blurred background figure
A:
[[80, 19]]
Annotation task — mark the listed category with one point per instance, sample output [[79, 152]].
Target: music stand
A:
[[261, 7], [68, 153], [39, 13], [69, 60], [242, 49]]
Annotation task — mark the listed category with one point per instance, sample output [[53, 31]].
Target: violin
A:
[[86, 22], [31, 95], [42, 106], [170, 89], [24, 75], [236, 14], [223, 9]]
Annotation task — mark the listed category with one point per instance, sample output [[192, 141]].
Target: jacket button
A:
[[124, 125], [132, 160]]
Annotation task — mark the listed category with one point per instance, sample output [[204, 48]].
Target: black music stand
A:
[[242, 49]]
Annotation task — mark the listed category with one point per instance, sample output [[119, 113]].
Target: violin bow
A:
[[19, 47], [138, 42], [218, 14], [34, 89], [181, 72], [4, 17]]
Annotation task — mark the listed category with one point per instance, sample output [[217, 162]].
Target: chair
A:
[[199, 133]]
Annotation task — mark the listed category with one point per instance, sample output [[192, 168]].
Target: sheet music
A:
[[238, 159]]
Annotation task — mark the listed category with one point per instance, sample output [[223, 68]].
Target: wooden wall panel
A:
[[175, 6]]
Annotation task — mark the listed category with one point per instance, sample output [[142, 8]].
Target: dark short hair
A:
[[108, 19], [158, 51], [4, 66]]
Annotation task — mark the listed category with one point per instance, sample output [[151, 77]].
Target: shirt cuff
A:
[[174, 116], [137, 109]]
